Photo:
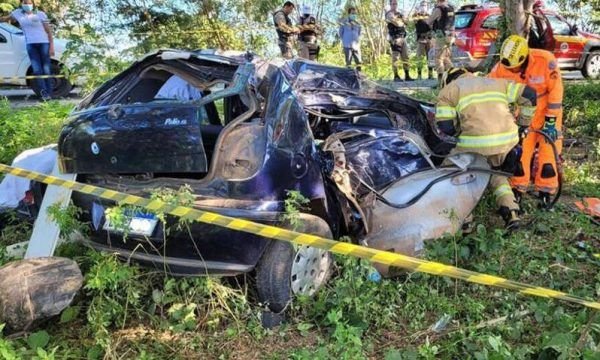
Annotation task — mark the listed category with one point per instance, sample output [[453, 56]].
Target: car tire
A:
[[61, 87], [591, 67], [285, 270]]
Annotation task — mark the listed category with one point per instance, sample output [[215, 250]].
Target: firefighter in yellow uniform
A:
[[476, 110]]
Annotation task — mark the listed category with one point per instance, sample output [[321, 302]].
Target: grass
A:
[[127, 312]]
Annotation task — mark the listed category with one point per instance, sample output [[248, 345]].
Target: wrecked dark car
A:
[[367, 159]]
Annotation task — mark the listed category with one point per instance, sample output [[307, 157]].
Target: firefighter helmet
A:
[[451, 75], [514, 51]]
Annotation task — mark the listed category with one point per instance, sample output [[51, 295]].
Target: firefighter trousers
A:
[[546, 173]]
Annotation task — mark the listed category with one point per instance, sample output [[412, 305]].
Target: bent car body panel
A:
[[440, 211]]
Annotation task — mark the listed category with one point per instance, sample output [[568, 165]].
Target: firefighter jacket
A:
[[541, 73], [395, 25], [283, 26], [442, 19], [479, 109], [308, 29]]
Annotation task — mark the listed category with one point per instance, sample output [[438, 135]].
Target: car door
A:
[[13, 54], [156, 137], [569, 44], [7, 59]]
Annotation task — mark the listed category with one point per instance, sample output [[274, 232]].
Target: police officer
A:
[[424, 39], [284, 28], [309, 30], [442, 23], [397, 37]]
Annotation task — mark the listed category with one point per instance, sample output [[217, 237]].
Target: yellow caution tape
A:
[[272, 232]]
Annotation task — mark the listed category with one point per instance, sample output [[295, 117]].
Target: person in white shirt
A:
[[177, 88], [38, 37]]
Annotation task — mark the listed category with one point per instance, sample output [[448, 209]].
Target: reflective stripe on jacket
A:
[[480, 108]]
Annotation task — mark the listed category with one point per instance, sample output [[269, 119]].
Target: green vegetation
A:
[[30, 127], [124, 311]]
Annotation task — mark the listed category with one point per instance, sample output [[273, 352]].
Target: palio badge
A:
[[175, 121]]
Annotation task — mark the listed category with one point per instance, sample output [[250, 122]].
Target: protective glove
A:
[[550, 128], [525, 115]]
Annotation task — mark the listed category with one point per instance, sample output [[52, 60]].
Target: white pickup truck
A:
[[14, 61]]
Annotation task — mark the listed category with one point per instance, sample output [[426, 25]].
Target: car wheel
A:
[[285, 271], [61, 87], [591, 68]]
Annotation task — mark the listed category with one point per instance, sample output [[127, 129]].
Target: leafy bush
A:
[[582, 109], [30, 127]]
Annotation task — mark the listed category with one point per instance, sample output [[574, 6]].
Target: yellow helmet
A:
[[451, 75], [514, 51]]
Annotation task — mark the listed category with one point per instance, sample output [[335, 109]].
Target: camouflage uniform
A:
[[442, 23], [285, 33]]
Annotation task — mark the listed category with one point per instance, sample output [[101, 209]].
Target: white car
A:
[[14, 61]]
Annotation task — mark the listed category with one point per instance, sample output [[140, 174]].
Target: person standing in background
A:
[[40, 44], [397, 37], [284, 28], [309, 30], [350, 31], [424, 39], [442, 23]]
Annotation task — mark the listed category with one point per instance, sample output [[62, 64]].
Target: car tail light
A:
[[29, 199]]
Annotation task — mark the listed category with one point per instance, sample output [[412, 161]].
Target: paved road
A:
[[22, 97]]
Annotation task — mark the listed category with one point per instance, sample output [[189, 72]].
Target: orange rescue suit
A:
[[542, 74]]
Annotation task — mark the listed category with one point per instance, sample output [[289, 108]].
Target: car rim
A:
[[594, 66], [309, 270]]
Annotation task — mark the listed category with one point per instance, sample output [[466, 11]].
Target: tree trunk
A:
[[515, 13]]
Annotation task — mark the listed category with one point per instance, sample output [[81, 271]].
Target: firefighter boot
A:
[[510, 217], [430, 73], [419, 74], [396, 76], [407, 76]]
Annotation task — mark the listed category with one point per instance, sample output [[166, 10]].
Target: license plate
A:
[[138, 223]]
